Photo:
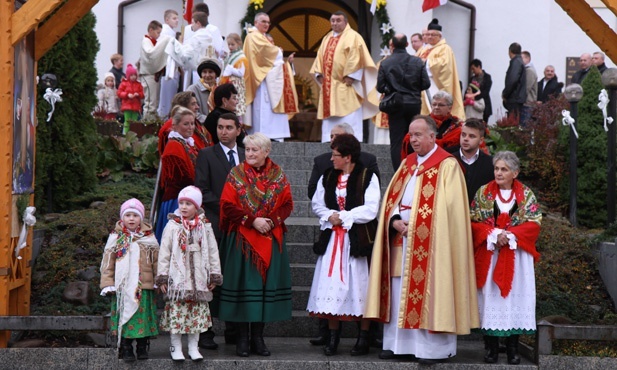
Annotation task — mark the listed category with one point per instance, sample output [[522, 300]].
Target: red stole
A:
[[328, 64], [289, 98], [420, 232]]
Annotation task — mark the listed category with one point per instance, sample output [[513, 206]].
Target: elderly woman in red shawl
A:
[[255, 202], [506, 220]]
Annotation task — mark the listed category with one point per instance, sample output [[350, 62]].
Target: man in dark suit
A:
[[514, 93], [321, 163], [478, 165], [486, 82], [598, 60], [548, 86], [406, 76], [211, 170], [585, 63]]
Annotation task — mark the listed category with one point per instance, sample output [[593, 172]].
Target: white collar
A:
[[174, 134], [422, 159], [226, 149]]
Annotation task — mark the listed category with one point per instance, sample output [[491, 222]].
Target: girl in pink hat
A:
[[127, 272], [189, 269]]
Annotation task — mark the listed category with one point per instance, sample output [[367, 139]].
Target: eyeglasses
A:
[[440, 105], [432, 34], [336, 155]]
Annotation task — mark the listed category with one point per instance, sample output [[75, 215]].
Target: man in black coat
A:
[[478, 166], [514, 92], [548, 86], [405, 75], [584, 62], [598, 60], [485, 83], [321, 163], [211, 170]]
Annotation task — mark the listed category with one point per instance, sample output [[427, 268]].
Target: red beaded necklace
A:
[[504, 200]]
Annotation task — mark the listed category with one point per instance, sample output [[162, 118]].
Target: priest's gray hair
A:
[[346, 127], [444, 95], [259, 15], [509, 158], [260, 140]]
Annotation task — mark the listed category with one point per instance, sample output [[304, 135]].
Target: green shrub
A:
[[117, 154], [66, 146], [591, 155]]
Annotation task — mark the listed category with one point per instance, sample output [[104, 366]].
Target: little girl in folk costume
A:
[[108, 98], [189, 269], [128, 270], [235, 66]]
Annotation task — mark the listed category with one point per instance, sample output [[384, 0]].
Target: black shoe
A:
[[258, 346], [143, 345], [206, 340], [492, 349], [332, 347], [386, 354], [127, 350], [362, 344], [242, 339], [320, 340], [376, 343], [512, 350]]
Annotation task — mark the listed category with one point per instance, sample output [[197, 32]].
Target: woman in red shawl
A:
[[177, 164], [255, 202], [506, 221]]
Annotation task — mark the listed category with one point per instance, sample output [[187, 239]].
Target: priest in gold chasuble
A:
[[347, 77], [441, 68], [422, 274], [271, 96]]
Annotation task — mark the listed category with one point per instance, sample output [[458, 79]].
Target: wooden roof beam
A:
[[29, 16], [592, 24], [59, 24], [612, 5]]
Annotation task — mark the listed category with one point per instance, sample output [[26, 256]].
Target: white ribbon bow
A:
[[603, 97], [568, 120], [29, 220], [52, 96]]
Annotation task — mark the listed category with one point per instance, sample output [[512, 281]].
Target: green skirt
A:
[[244, 296], [143, 323]]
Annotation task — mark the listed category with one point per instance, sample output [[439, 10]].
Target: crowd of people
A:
[[449, 248]]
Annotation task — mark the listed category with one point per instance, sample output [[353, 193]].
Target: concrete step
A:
[[287, 353], [302, 229]]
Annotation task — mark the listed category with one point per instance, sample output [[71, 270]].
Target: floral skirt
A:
[[143, 322], [186, 317]]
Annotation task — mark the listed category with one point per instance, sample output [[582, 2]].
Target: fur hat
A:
[[434, 25], [192, 194], [130, 70], [132, 205], [210, 63], [108, 75]]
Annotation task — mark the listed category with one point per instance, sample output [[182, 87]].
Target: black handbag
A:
[[391, 103]]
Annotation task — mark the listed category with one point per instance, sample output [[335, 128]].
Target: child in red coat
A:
[[130, 93]]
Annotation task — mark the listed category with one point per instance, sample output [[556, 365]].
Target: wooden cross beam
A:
[[59, 24], [29, 16], [592, 24]]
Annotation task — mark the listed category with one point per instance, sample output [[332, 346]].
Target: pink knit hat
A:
[[132, 205], [130, 70], [191, 194]]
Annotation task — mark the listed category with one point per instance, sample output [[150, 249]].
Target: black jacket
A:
[[477, 174], [322, 163], [514, 91], [211, 170], [404, 74], [548, 89], [579, 76]]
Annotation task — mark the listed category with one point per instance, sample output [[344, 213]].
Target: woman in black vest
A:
[[346, 202]]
